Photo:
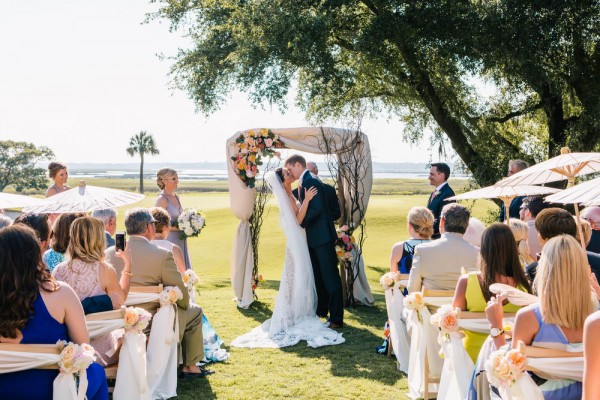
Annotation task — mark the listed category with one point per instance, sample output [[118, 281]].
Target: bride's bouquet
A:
[[190, 223]]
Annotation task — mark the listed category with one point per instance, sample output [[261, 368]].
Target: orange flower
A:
[[449, 323], [251, 158], [241, 164], [517, 359]]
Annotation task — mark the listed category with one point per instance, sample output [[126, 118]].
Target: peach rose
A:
[[131, 317], [418, 298], [173, 296], [67, 358], [517, 359], [449, 323]]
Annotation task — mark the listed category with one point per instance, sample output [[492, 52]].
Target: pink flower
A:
[[344, 228], [346, 239], [269, 142], [249, 173]]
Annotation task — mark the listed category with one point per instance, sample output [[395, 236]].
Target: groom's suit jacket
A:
[[317, 222], [333, 206]]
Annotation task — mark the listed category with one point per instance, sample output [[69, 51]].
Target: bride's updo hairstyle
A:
[[421, 219], [279, 173], [162, 174]]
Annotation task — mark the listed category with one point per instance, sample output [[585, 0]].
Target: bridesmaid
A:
[[167, 180], [59, 174]]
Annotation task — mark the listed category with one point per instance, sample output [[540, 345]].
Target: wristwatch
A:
[[495, 332]]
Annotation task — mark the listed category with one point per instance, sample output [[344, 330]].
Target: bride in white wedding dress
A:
[[294, 317]]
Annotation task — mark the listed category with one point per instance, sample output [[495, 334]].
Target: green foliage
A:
[[18, 165], [423, 62], [142, 144]]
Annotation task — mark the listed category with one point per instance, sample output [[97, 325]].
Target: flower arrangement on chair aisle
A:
[[446, 319], [136, 319], [251, 147], [505, 366], [414, 301], [190, 222], [389, 280], [169, 295]]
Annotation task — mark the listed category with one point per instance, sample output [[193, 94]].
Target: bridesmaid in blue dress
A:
[[36, 309], [167, 180]]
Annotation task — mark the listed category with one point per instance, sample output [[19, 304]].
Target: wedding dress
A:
[[294, 317]]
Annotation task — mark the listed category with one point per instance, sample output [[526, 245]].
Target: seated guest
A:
[[36, 309], [474, 232], [591, 354], [498, 263], [420, 228], [108, 216], [552, 222], [153, 265], [59, 239], [162, 230], [89, 275], [553, 323], [520, 231], [39, 224], [5, 221], [586, 231], [592, 215], [530, 208], [438, 264]]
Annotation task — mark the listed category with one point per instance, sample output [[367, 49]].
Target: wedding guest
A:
[[167, 180], [90, 275], [36, 309], [586, 231], [420, 228], [553, 322], [108, 216], [438, 178], [514, 166], [591, 354], [5, 221], [530, 208], [592, 215], [474, 232], [498, 263], [59, 239], [520, 231], [153, 265], [162, 229], [438, 264], [39, 224], [57, 171]]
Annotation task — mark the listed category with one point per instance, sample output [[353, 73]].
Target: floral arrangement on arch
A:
[[255, 281], [251, 147], [190, 223], [344, 244]]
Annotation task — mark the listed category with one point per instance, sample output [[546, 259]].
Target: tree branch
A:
[[517, 113]]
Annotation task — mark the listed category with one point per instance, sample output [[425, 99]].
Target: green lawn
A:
[[349, 371]]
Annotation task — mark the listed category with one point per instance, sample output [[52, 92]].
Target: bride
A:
[[294, 317]]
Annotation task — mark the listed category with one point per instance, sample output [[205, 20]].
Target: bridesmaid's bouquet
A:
[[190, 223]]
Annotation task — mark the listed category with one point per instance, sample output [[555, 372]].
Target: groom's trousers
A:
[[327, 281]]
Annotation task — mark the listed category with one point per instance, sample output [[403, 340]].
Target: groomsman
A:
[[438, 178]]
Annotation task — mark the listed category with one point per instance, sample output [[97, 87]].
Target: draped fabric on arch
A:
[[309, 139]]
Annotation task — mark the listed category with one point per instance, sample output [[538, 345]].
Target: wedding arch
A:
[[350, 149]]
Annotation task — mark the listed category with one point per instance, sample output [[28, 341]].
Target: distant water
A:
[[221, 174]]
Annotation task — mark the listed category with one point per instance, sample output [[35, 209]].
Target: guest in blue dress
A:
[[557, 321], [36, 309], [59, 239]]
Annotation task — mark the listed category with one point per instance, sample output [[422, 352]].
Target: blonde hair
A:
[[421, 220], [586, 229], [563, 271], [162, 217], [162, 174], [520, 231], [87, 241]]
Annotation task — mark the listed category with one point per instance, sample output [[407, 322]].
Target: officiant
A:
[[331, 198]]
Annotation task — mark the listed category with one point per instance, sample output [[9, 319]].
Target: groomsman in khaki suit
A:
[[153, 265], [437, 264]]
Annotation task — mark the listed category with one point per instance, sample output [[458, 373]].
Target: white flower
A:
[[188, 231]]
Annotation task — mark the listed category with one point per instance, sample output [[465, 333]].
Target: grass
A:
[[349, 371]]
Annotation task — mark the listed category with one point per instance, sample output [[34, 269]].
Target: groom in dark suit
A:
[[438, 177], [321, 237]]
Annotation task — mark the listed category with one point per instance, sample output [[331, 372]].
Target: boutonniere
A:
[[436, 193]]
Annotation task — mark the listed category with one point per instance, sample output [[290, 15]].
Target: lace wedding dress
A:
[[294, 317]]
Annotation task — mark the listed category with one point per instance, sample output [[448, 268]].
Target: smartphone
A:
[[120, 240]]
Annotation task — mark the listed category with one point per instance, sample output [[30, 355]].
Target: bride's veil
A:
[[304, 294]]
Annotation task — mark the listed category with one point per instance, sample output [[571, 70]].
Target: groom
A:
[[321, 237]]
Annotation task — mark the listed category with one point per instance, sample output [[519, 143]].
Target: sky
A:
[[83, 76]]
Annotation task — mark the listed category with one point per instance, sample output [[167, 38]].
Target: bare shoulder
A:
[[593, 321], [161, 201], [397, 247], [51, 191], [64, 292], [526, 314]]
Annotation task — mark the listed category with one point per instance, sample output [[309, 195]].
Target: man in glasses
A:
[[514, 166], [592, 215]]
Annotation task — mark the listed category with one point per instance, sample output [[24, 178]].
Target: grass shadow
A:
[[258, 311], [189, 388]]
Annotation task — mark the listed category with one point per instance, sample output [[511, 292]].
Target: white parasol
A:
[[504, 193], [85, 198], [587, 193], [8, 200]]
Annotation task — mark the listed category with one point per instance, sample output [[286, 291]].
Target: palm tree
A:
[[142, 144]]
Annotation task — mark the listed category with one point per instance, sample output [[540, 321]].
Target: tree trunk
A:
[[553, 108], [142, 173]]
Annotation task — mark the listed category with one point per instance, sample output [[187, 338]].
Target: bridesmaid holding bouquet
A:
[[167, 180]]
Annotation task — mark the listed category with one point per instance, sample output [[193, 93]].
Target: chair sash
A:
[[162, 353], [394, 301], [136, 298], [64, 386], [131, 382], [102, 327], [457, 370], [423, 341]]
